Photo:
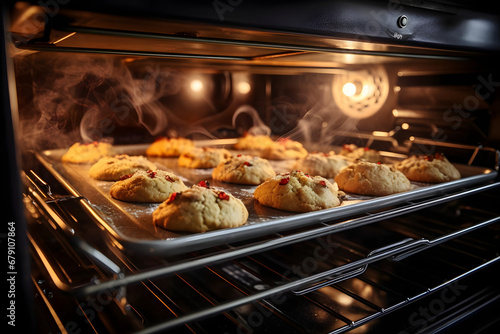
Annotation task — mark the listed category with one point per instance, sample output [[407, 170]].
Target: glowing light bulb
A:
[[243, 87], [405, 126], [196, 85], [349, 89]]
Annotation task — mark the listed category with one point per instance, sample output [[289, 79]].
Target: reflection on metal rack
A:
[[234, 252], [262, 269], [248, 256]]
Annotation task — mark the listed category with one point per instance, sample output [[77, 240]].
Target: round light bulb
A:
[[349, 89], [196, 85], [243, 87]]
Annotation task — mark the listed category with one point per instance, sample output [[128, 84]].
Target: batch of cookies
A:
[[318, 180]]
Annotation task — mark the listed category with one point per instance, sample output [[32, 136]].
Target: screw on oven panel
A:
[[402, 21]]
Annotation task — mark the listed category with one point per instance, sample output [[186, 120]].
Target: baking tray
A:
[[132, 226]]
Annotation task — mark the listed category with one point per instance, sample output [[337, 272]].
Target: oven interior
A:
[[425, 264]]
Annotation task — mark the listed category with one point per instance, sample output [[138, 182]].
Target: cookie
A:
[[146, 186], [82, 153], [353, 153], [298, 192], [369, 178], [284, 148], [113, 168], [253, 143], [243, 169], [169, 147], [205, 157], [323, 164], [428, 168], [200, 209]]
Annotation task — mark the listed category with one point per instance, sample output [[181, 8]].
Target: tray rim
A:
[[193, 242]]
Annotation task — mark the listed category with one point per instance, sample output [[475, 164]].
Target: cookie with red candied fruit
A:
[[298, 192], [284, 148], [112, 168], [152, 186], [203, 157], [169, 147], [82, 153], [253, 143], [428, 168], [323, 164], [353, 153], [370, 178], [200, 208], [243, 169]]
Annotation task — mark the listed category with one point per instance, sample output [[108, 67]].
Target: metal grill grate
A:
[[337, 281]]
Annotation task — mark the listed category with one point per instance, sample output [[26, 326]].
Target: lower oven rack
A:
[[249, 320], [132, 272]]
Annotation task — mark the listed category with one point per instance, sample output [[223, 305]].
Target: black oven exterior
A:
[[424, 265]]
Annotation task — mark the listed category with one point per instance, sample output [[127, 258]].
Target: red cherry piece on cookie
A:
[[284, 180], [222, 195], [204, 184]]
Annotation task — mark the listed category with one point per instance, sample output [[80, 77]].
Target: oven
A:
[[400, 77]]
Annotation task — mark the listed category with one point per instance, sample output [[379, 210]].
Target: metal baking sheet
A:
[[131, 223]]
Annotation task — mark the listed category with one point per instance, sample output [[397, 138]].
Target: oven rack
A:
[[259, 268], [118, 279], [112, 276], [349, 323]]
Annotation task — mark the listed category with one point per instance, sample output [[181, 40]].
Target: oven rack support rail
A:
[[118, 279]]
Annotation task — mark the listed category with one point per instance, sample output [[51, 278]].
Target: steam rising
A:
[[88, 98], [258, 126]]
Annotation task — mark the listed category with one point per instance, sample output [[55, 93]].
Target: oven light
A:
[[196, 85], [349, 89], [243, 87], [405, 126]]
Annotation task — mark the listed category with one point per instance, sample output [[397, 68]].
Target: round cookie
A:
[[353, 153], [82, 153], [113, 168], [200, 209], [243, 169], [323, 164], [253, 143], [298, 192], [369, 178], [428, 168], [146, 186], [173, 147], [205, 157], [284, 148]]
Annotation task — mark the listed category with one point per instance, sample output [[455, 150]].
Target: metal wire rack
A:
[[391, 253]]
